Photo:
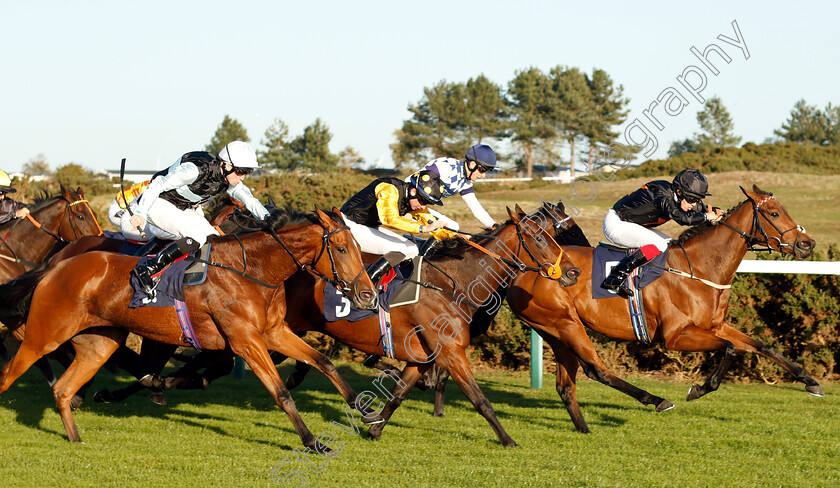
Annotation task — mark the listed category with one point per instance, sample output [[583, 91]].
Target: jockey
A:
[[9, 209], [170, 208], [631, 220], [120, 218], [459, 176], [400, 205]]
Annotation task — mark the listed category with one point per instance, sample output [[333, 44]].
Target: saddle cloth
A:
[[171, 282], [605, 258], [394, 291]]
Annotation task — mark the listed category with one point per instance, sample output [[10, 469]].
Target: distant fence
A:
[[746, 266]]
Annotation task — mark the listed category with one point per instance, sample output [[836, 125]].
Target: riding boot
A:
[[617, 280], [164, 258], [378, 269], [430, 246]]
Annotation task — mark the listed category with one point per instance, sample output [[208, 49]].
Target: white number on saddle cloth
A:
[[343, 308]]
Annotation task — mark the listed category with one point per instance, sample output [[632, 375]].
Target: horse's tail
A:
[[16, 297]]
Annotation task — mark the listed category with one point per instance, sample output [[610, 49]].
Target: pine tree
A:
[[276, 154], [311, 149], [571, 105], [716, 125], [808, 124], [530, 125], [609, 111], [228, 131]]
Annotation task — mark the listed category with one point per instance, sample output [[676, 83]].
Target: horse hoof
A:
[[159, 398], [664, 406], [102, 396], [694, 393], [76, 402], [815, 390]]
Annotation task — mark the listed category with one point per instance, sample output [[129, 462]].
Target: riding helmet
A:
[[692, 183]]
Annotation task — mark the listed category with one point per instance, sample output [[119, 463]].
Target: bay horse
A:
[[55, 220], [234, 309], [436, 328], [683, 314]]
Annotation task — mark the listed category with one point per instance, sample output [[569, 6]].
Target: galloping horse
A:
[[58, 219], [569, 343], [236, 307], [682, 313], [437, 327]]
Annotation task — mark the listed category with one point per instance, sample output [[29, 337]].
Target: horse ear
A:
[[757, 189], [270, 203], [519, 210], [513, 216], [64, 190], [80, 192], [325, 219], [744, 191]]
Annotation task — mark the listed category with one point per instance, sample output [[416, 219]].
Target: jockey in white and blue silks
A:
[[459, 176], [170, 207]]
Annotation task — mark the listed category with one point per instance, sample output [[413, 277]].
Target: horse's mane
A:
[[286, 216], [705, 226], [43, 199]]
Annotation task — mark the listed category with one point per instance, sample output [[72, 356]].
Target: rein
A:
[[325, 245]]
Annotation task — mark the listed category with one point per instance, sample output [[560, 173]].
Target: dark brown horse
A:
[[437, 327], [683, 314], [59, 219], [236, 308]]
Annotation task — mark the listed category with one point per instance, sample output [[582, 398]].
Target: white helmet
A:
[[240, 155]]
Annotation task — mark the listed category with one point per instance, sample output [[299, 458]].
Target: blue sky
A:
[[92, 82]]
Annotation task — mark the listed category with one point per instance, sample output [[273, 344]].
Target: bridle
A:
[[57, 237], [757, 239]]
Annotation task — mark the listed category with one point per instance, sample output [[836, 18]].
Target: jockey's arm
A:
[[477, 210], [427, 218], [184, 174], [387, 207], [243, 194]]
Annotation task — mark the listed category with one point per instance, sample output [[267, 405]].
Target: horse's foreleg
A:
[[251, 348], [456, 362], [745, 343], [409, 377], [286, 342], [89, 358], [567, 366]]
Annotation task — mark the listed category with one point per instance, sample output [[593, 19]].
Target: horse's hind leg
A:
[[745, 343], [409, 377], [693, 338], [442, 377], [90, 356], [567, 366]]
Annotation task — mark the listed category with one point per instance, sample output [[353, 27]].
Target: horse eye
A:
[[774, 214], [81, 216], [342, 249]]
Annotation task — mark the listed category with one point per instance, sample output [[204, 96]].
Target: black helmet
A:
[[429, 187], [692, 183]]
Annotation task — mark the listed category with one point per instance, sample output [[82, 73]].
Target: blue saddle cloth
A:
[[339, 307], [170, 286], [603, 260]]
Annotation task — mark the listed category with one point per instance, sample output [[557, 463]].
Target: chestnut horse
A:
[[236, 308], [437, 327], [60, 219], [684, 314]]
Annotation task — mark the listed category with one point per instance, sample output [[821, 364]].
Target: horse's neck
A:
[[478, 275], [31, 243], [716, 253], [267, 259]]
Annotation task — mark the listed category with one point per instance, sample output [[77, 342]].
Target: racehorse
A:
[[234, 309], [683, 313], [436, 328], [55, 220]]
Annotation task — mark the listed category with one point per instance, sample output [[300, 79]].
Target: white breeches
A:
[[629, 234], [119, 216], [380, 240], [166, 221]]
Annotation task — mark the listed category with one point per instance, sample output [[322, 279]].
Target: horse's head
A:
[[78, 218], [566, 231], [342, 261], [537, 247], [774, 227]]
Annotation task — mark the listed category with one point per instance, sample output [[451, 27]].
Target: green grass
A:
[[233, 435]]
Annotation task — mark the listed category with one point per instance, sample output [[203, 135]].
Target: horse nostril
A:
[[367, 295], [574, 272]]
